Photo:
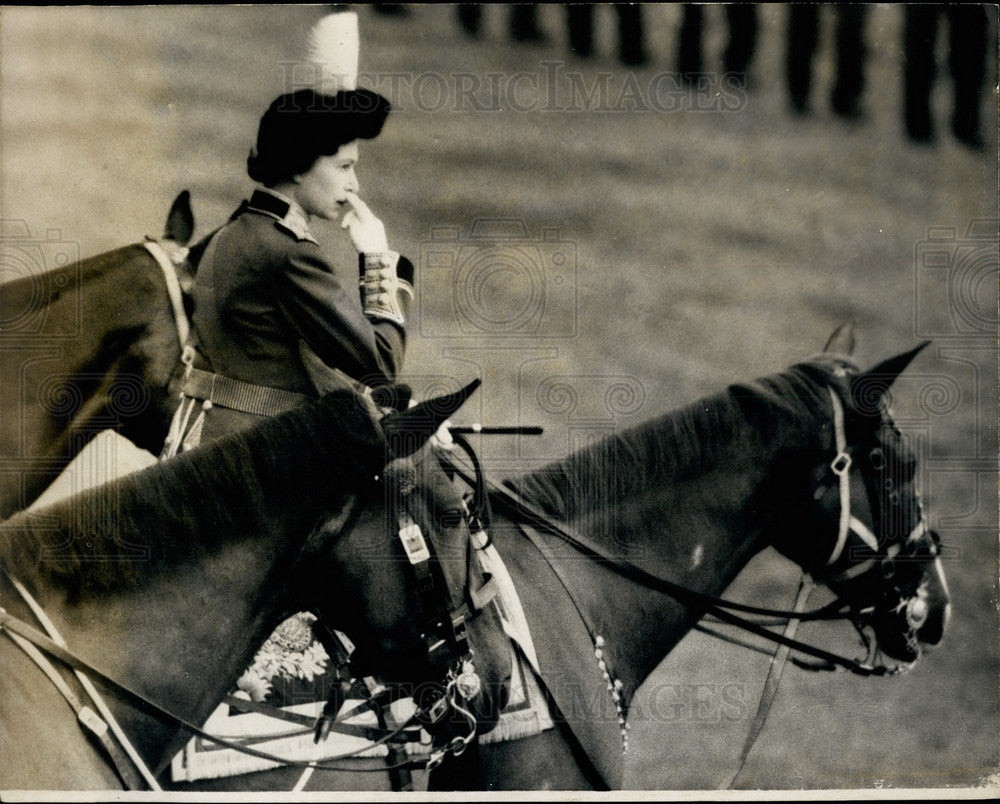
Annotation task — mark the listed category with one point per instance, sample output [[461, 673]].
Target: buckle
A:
[[187, 358], [841, 464], [433, 713]]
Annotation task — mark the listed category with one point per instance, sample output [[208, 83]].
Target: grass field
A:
[[652, 252]]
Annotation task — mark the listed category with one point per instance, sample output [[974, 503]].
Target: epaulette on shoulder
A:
[[297, 226], [287, 217]]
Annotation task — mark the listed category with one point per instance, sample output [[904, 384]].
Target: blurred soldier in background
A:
[[803, 38], [741, 19], [631, 47], [523, 21], [968, 29]]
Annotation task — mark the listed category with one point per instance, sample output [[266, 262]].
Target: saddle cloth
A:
[[525, 715]]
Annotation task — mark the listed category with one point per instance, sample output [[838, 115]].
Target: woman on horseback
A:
[[274, 322]]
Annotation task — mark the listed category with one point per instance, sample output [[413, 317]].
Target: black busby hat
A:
[[299, 127]]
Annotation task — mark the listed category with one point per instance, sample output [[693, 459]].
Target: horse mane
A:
[[83, 268], [118, 535], [688, 441]]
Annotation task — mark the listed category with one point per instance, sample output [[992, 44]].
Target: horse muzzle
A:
[[902, 630], [934, 593]]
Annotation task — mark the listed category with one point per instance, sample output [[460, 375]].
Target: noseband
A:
[[896, 556]]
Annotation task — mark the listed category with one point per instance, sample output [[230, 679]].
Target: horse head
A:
[[125, 311], [877, 552], [295, 520], [408, 581]]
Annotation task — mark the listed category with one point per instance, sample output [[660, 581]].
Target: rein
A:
[[85, 715], [23, 631], [723, 610], [34, 643], [719, 608]]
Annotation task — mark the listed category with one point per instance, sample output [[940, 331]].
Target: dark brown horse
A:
[[86, 347], [617, 551], [691, 496], [207, 553]]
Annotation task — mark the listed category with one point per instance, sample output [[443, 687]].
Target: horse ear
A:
[[180, 220], [408, 430], [868, 388], [841, 342]]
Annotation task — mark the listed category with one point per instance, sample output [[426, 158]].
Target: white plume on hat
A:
[[333, 47]]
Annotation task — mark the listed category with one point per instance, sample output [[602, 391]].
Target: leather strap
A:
[[167, 265], [840, 466], [309, 721], [245, 397], [16, 626], [112, 723], [528, 517], [88, 718]]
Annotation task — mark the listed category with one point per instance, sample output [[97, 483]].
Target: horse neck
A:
[[177, 640], [175, 603], [688, 497], [96, 351]]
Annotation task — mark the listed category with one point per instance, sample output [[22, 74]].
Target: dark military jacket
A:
[[262, 286]]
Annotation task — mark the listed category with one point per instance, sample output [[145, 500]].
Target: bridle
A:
[[920, 547], [169, 256], [902, 560], [444, 710], [893, 554], [443, 627]]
